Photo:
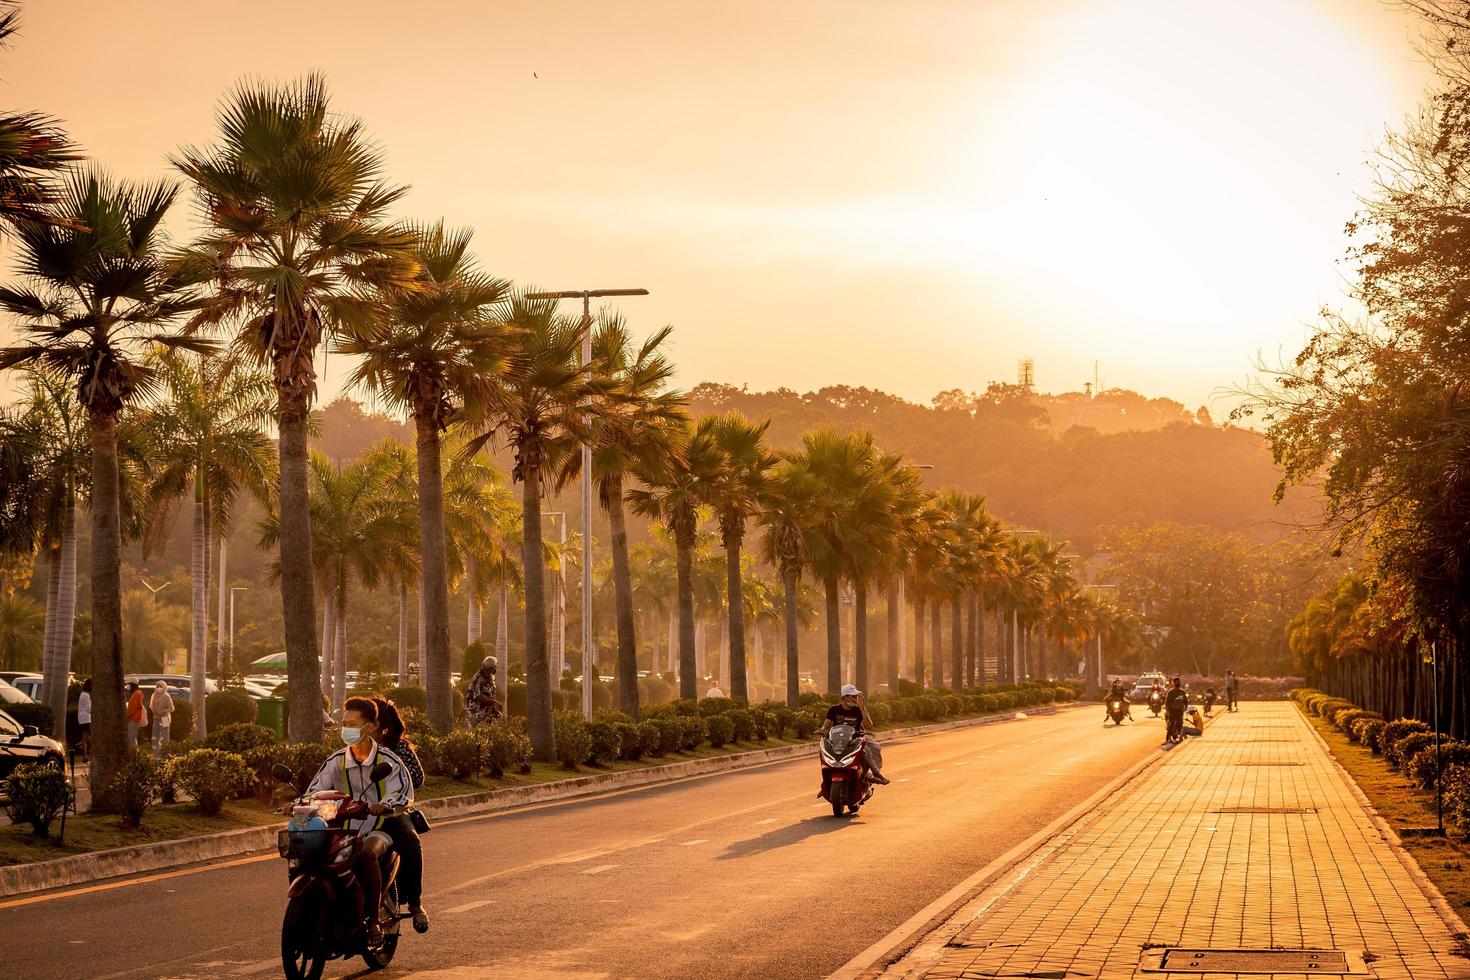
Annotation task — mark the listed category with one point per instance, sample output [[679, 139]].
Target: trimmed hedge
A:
[[210, 776], [230, 706], [1421, 767], [1407, 747]]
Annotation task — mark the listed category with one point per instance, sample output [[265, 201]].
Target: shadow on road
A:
[[782, 836]]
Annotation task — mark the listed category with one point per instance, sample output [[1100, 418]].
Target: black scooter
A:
[[1156, 702], [1117, 710]]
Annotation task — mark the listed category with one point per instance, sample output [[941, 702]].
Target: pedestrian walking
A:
[[1232, 690], [1175, 702], [162, 706], [482, 700], [137, 712], [84, 719]]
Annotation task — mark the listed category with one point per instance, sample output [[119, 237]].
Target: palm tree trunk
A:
[[793, 637], [735, 599], [298, 594], [538, 680], [199, 596], [472, 595], [502, 641], [1041, 672], [918, 638], [402, 633], [673, 645], [329, 640], [972, 642], [52, 676], [984, 668], [701, 665], [109, 741], [957, 638], [433, 559], [623, 596], [936, 636], [834, 635], [222, 590], [339, 653], [860, 637], [684, 571], [423, 635], [895, 623], [64, 615]]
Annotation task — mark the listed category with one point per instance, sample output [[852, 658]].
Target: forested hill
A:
[[1017, 449]]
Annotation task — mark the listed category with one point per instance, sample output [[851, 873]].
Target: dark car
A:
[[20, 744]]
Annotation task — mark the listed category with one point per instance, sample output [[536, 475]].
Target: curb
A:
[[20, 879]]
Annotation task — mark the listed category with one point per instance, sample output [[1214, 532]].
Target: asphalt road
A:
[[742, 874]]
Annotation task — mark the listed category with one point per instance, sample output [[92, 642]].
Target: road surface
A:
[[743, 874]]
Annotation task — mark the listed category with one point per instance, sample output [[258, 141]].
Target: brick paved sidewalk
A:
[[1167, 862]]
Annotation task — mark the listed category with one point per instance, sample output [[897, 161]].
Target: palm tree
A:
[[540, 408], [32, 151], [438, 348], [876, 504], [643, 418], [22, 628], [791, 505], [298, 241], [734, 493], [672, 494], [95, 295], [205, 434]]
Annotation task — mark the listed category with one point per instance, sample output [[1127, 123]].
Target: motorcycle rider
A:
[[1116, 693], [852, 710], [1156, 689], [347, 771], [1174, 704]]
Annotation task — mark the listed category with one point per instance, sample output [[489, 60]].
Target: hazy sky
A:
[[907, 195]]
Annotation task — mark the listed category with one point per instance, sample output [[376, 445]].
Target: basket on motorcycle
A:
[[301, 844]]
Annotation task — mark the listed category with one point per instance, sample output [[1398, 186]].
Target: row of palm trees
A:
[[298, 250]]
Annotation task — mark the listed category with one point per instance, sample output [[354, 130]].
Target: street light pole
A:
[[586, 296], [238, 588]]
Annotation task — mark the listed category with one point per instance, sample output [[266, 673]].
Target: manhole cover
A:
[[1333, 962], [1267, 809]]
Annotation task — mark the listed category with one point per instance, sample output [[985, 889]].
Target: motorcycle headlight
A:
[[327, 810], [848, 759]]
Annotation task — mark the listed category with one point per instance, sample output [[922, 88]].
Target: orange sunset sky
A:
[[908, 195]]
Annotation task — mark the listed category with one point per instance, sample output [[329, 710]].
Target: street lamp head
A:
[[586, 293]]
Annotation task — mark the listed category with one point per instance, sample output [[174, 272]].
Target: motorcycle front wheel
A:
[[377, 957], [302, 957]]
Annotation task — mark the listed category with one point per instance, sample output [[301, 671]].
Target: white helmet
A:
[[850, 691]]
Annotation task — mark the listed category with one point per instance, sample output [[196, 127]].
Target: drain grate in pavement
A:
[[1332, 962], [1267, 809]]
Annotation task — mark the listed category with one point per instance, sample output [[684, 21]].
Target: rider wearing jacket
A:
[[1174, 704], [348, 771]]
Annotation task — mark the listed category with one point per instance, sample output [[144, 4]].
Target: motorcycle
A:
[[844, 777], [325, 917], [1156, 702], [1117, 710]]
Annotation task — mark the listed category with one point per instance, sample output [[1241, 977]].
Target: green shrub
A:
[[1406, 748], [716, 706], [1421, 767], [953, 705], [304, 759], [721, 729], [742, 725], [38, 715], [782, 719], [1332, 709], [808, 720], [460, 751], [515, 698], [812, 697], [430, 749], [181, 726], [654, 690], [692, 732], [899, 710], [573, 741], [881, 713], [260, 760], [1368, 731], [239, 739], [1346, 720], [1457, 796], [1396, 730], [631, 743], [761, 720], [37, 796], [210, 776], [661, 736], [136, 785], [408, 696], [230, 706], [908, 689], [604, 742], [504, 747]]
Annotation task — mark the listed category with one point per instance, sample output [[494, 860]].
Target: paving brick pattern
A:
[[1161, 864]]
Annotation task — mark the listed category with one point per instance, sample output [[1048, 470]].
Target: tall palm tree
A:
[[791, 504], [298, 240], [22, 629], [33, 150], [94, 296], [672, 494], [439, 347], [734, 493], [540, 408], [205, 433], [643, 419]]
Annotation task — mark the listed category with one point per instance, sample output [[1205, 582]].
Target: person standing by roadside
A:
[[162, 706], [84, 719], [482, 699], [137, 713], [1175, 702], [1232, 690]]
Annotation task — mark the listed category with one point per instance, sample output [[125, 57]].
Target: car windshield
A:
[[8, 725], [10, 695]]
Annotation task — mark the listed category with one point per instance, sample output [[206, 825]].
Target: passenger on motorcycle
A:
[[347, 771], [389, 732], [852, 710]]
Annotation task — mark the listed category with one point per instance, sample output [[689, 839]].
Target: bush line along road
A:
[[740, 874]]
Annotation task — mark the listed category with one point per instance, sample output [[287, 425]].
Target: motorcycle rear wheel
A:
[[837, 809], [379, 957], [299, 960]]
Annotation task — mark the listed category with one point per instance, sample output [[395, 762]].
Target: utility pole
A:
[[586, 296]]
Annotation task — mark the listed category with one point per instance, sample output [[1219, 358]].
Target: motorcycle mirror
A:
[[381, 771], [281, 774]]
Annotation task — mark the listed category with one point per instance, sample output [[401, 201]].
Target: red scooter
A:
[[325, 918], [844, 776]]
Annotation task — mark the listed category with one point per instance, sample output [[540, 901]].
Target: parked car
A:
[[171, 680], [1145, 682], [23, 743], [10, 694], [10, 676], [26, 683]]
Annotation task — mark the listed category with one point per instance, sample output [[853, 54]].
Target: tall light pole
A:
[[237, 588], [586, 296]]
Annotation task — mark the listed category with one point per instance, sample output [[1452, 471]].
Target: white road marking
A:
[[759, 823], [260, 967], [933, 770], [468, 906], [599, 869], [903, 780], [697, 840], [959, 763]]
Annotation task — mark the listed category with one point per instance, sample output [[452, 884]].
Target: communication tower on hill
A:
[[1026, 373]]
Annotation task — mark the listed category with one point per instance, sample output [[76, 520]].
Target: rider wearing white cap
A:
[[852, 710]]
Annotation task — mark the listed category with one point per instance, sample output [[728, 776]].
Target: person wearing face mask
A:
[[347, 771]]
